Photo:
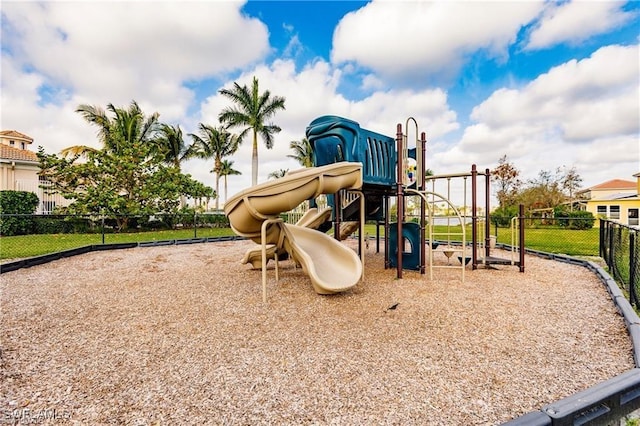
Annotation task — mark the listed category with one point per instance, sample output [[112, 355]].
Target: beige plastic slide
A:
[[331, 266], [312, 218]]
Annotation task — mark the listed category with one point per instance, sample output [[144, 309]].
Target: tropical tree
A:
[[226, 169], [251, 112], [216, 143], [303, 152], [135, 182], [171, 142], [127, 176], [117, 132], [277, 174]]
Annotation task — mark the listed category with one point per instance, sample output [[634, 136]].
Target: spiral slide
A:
[[331, 266], [313, 218]]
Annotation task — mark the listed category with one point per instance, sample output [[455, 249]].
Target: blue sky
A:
[[549, 84]]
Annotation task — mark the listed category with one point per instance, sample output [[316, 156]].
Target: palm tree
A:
[[303, 153], [216, 143], [126, 127], [251, 112], [226, 169], [171, 142], [277, 174]]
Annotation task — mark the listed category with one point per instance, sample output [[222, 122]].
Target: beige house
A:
[[615, 199], [19, 167]]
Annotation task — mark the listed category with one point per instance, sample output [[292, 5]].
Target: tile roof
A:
[[615, 184], [15, 134], [10, 153]]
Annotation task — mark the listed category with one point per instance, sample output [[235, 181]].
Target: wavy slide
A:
[[331, 266], [312, 218]]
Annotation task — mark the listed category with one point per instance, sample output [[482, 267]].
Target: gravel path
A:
[[179, 335]]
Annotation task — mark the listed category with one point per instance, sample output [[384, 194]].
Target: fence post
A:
[[632, 268], [610, 257], [521, 235], [601, 242], [195, 225]]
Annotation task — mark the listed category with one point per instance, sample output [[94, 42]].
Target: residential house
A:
[[19, 168], [615, 199]]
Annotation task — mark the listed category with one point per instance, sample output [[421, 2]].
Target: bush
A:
[[54, 224], [17, 203], [218, 220], [502, 215], [577, 220]]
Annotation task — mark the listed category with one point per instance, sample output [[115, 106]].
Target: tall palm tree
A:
[[125, 127], [251, 111], [226, 169], [216, 143], [171, 142], [303, 153], [277, 174]]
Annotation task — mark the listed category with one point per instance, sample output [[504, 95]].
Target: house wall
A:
[[625, 206], [11, 171], [24, 177]]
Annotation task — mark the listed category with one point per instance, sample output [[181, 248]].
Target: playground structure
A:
[[360, 171]]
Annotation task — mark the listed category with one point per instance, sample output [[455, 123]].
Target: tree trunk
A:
[[254, 160], [225, 189], [217, 191]]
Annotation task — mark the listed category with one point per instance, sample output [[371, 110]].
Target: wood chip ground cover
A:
[[179, 334]]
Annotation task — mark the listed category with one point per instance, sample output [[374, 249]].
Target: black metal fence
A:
[[558, 235], [620, 249], [31, 235], [23, 236]]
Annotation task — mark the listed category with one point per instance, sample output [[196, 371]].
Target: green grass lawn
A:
[[34, 245], [552, 240]]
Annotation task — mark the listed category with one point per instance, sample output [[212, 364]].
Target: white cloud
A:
[[115, 51], [581, 112], [417, 38], [575, 21], [313, 92], [584, 99]]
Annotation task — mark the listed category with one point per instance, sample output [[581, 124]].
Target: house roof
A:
[[15, 134], [615, 184], [618, 196], [10, 153]]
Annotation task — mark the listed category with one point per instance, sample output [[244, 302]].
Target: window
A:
[[12, 143], [634, 220], [22, 145], [602, 211], [614, 212]]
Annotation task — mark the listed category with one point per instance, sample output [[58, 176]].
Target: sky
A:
[[548, 84]]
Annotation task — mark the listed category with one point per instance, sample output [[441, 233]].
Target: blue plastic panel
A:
[[335, 139]]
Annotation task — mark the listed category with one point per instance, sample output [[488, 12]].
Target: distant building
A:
[[615, 199], [19, 168]]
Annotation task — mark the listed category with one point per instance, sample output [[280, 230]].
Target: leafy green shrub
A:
[[219, 220], [62, 224], [502, 215], [17, 203], [576, 220]]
